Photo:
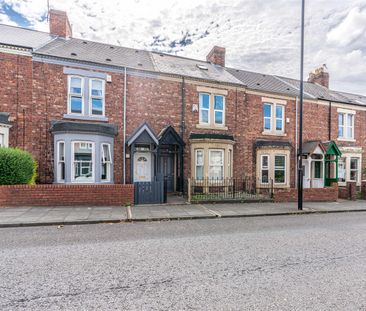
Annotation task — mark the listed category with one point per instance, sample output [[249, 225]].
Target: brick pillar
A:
[[363, 189], [351, 189]]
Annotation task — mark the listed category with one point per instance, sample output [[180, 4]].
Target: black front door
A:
[[167, 170]]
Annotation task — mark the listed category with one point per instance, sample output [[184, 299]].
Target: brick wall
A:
[[328, 194], [64, 195]]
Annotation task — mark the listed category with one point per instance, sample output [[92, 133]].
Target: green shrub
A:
[[17, 167]]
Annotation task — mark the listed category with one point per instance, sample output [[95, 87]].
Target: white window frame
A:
[[205, 109], [196, 164], [223, 163], [357, 170], [2, 140], [91, 97], [266, 118], [346, 126], [59, 162], [4, 132], [69, 95], [264, 168], [103, 161], [219, 110], [92, 180], [274, 118], [284, 169]]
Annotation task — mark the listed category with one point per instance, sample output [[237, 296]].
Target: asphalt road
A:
[[307, 262]]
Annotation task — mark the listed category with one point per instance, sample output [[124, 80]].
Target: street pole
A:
[[300, 172]]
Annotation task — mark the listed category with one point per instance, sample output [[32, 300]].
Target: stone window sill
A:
[[211, 127], [85, 118], [274, 133], [346, 139]]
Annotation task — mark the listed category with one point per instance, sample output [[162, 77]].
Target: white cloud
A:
[[262, 36]]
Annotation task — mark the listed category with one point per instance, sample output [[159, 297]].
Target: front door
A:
[[167, 170], [142, 167]]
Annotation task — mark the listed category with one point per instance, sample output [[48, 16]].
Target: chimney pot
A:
[[217, 56], [320, 76], [59, 24]]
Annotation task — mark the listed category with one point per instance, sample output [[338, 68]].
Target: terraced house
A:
[[94, 113]]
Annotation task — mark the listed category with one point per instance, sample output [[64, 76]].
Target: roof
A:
[[272, 143], [182, 66], [95, 52], [23, 37], [142, 129], [100, 53], [310, 146], [211, 136], [71, 126]]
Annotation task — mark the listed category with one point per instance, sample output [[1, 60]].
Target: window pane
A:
[[279, 176], [97, 106], [199, 172], [218, 117], [349, 132], [204, 116], [279, 125], [279, 112], [216, 172], [2, 140], [267, 124], [75, 85], [265, 161], [83, 162], [219, 103], [205, 101], [76, 104], [350, 120], [342, 170], [354, 163], [216, 157], [340, 119], [106, 153], [61, 151], [280, 161], [199, 157], [340, 132], [267, 110], [317, 169], [97, 88], [265, 176]]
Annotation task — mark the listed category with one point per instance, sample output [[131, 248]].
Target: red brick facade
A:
[[66, 195]]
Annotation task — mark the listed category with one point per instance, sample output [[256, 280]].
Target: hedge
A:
[[17, 167]]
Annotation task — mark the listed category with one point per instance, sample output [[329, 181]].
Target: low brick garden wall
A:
[[66, 195], [328, 194]]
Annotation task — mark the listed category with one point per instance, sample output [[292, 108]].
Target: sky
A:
[[261, 36]]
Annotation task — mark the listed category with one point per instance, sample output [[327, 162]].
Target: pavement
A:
[[43, 216], [312, 262]]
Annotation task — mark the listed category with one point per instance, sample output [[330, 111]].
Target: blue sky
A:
[[261, 36]]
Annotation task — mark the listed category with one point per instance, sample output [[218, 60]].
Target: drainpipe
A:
[[124, 124], [182, 135], [296, 142], [330, 121]]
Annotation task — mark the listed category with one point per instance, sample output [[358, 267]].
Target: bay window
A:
[[199, 163], [216, 164], [106, 162], [83, 162], [264, 169], [61, 161], [279, 169]]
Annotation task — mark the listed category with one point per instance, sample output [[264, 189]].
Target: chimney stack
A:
[[320, 76], [216, 56], [59, 24]]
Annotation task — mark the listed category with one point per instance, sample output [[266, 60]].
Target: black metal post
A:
[[300, 172]]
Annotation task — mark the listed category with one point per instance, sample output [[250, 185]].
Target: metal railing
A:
[[228, 189]]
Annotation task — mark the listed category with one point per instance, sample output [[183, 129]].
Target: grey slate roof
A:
[[100, 53], [176, 65], [96, 52], [72, 126], [23, 37]]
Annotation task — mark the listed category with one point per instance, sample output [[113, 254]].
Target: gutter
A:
[[330, 121]]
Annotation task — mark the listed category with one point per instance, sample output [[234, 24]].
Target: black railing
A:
[[228, 189]]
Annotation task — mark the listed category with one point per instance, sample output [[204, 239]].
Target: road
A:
[[307, 262]]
